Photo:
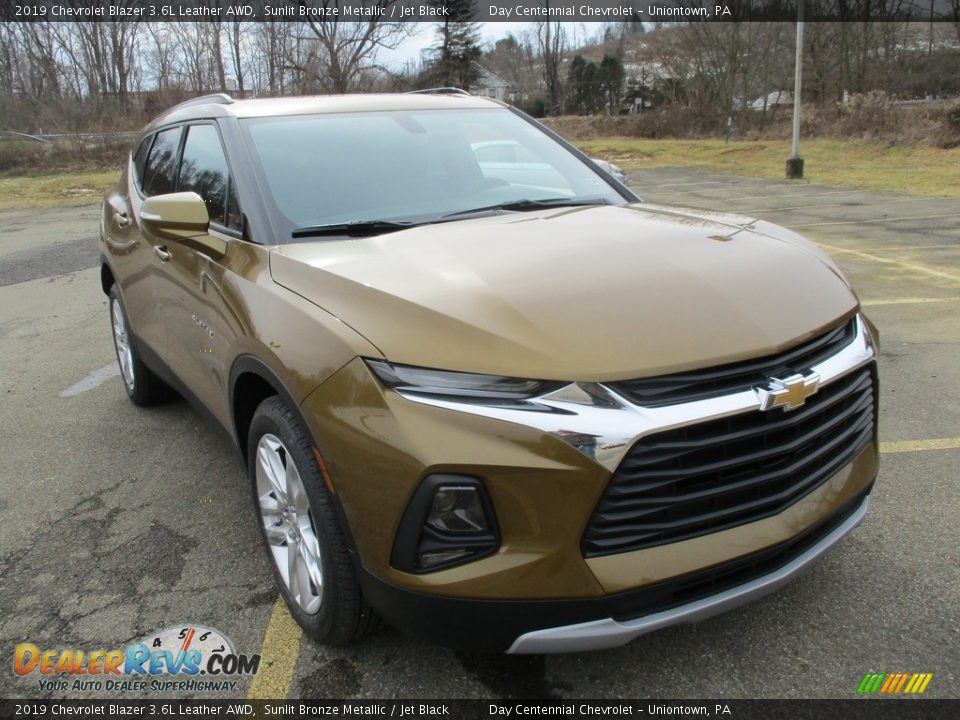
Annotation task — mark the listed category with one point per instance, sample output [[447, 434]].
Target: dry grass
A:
[[58, 190], [917, 170]]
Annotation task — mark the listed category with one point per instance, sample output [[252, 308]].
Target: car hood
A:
[[597, 293]]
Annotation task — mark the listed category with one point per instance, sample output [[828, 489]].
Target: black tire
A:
[[343, 615], [143, 386]]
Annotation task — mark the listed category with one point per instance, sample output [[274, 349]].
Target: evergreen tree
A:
[[458, 49], [588, 84], [575, 78], [612, 75]]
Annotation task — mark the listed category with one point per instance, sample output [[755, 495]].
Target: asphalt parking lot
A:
[[119, 521]]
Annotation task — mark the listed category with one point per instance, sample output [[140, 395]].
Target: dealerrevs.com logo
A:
[[172, 659]]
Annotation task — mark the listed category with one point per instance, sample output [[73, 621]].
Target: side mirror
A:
[[175, 216], [612, 170]]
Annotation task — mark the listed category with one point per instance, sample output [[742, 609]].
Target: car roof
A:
[[213, 106]]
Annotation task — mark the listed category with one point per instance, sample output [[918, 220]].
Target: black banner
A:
[[853, 709], [579, 11]]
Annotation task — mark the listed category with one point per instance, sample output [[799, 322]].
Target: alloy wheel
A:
[[288, 523], [122, 341]]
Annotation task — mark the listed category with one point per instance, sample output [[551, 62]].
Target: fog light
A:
[[457, 509], [430, 560], [449, 521]]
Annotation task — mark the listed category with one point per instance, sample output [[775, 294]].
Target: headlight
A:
[[459, 386]]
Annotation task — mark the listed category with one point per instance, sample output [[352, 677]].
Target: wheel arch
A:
[[251, 382], [107, 278]]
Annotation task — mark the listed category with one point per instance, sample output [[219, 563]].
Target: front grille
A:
[[704, 583], [707, 477], [734, 377]]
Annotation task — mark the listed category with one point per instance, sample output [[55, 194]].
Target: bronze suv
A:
[[482, 390]]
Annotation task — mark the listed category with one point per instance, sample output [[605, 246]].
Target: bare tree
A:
[[39, 74], [270, 45], [213, 34], [192, 59], [7, 65], [349, 48], [160, 52], [98, 60], [236, 33], [551, 42]]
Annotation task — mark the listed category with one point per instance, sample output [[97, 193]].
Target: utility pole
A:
[[795, 163]]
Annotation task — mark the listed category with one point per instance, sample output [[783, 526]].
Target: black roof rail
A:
[[439, 91], [215, 99]]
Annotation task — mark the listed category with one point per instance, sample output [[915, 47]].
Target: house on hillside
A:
[[490, 85], [776, 100]]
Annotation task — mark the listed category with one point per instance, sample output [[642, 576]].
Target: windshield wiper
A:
[[362, 228], [359, 228], [522, 205]]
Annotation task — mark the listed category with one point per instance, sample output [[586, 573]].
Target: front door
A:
[[194, 274]]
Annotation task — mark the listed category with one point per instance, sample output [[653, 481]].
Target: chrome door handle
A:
[[161, 252]]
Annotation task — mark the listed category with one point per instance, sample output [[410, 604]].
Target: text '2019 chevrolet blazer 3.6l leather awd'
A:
[[481, 389]]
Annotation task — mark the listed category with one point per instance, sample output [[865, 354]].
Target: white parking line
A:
[[809, 193], [816, 206], [691, 184], [878, 220], [94, 379], [779, 196]]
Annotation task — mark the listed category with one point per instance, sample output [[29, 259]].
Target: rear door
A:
[[136, 257]]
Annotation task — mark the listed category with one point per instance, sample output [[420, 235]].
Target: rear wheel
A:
[[301, 531], [141, 383]]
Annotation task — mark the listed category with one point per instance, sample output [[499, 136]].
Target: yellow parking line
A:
[[890, 261], [902, 248], [281, 648], [909, 301], [902, 446]]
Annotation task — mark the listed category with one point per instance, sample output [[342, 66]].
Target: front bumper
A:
[[609, 632], [538, 626]]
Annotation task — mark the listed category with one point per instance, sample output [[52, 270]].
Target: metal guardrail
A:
[[47, 137]]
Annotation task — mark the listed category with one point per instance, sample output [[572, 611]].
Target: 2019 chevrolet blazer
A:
[[504, 405]]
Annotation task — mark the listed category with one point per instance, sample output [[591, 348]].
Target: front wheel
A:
[[300, 529]]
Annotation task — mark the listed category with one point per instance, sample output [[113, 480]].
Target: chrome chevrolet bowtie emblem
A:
[[788, 393]]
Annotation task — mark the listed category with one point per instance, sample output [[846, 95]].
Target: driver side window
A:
[[204, 171]]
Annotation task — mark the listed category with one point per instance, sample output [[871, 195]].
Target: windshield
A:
[[413, 166]]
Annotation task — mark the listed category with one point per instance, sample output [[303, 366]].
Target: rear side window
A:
[[204, 170], [140, 157], [158, 176]]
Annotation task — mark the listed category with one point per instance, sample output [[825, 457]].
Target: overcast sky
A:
[[425, 35]]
